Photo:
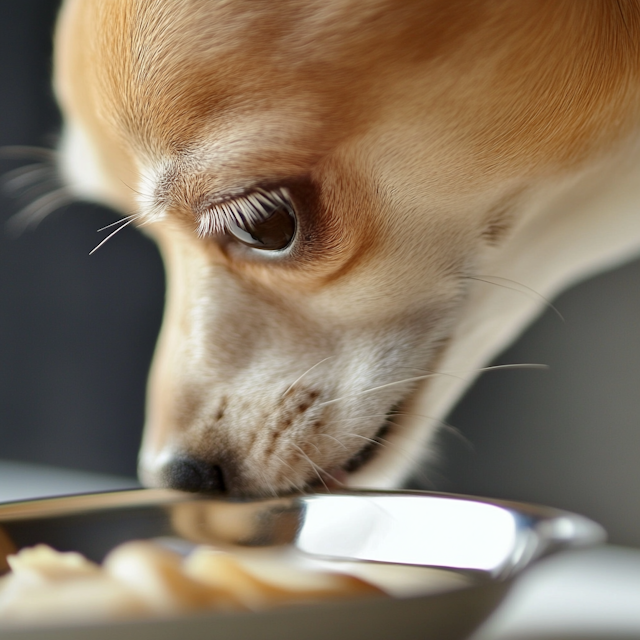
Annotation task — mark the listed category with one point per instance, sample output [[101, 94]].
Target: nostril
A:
[[190, 474]]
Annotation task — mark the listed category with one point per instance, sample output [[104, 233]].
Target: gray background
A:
[[76, 331], [77, 334]]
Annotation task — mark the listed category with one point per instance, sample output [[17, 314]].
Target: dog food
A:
[[142, 578]]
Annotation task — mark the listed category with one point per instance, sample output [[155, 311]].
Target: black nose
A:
[[190, 474]]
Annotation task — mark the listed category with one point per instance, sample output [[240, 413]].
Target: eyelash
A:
[[244, 211]]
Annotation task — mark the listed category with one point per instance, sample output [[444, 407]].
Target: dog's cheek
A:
[[227, 356]]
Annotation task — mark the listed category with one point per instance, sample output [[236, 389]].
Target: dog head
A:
[[324, 180]]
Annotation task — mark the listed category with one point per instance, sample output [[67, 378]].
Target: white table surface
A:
[[581, 595], [22, 481]]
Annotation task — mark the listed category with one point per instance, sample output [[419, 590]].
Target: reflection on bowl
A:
[[447, 560]]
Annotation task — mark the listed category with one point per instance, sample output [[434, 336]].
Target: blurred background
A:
[[77, 333]]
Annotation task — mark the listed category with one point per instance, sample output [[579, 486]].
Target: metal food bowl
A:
[[448, 560]]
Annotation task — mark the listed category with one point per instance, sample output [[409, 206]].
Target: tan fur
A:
[[422, 141]]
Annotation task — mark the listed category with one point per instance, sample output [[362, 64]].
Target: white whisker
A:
[[144, 223], [385, 416], [515, 366], [494, 367], [315, 446], [315, 467], [287, 479], [382, 386], [25, 151], [286, 464], [126, 223], [13, 180], [326, 435], [119, 221], [487, 280], [387, 444], [434, 374], [34, 213], [270, 488], [295, 382], [41, 187], [37, 182], [371, 440], [454, 431]]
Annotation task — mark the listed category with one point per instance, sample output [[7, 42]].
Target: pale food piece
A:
[[259, 582], [141, 578], [45, 585], [157, 577]]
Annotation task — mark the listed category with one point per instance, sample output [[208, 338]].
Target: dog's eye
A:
[[272, 233], [262, 220]]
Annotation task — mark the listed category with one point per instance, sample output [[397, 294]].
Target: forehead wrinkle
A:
[[236, 149], [230, 160], [290, 134]]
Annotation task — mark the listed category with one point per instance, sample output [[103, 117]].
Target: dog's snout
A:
[[190, 474]]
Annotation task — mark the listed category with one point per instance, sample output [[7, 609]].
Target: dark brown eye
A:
[[272, 230], [262, 219]]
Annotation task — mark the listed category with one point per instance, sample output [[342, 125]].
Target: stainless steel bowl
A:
[[449, 559]]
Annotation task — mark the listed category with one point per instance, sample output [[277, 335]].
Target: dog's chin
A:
[[340, 476]]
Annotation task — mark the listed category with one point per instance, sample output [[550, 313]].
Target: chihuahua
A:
[[359, 204]]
